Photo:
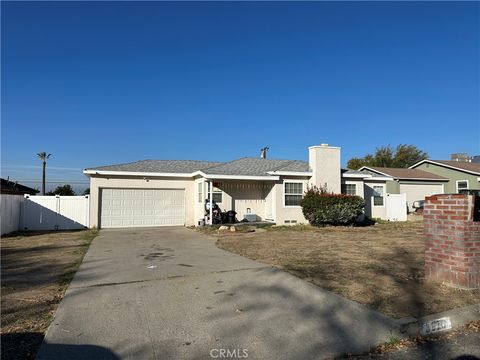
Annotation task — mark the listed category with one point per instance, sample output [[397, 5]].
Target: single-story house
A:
[[14, 188], [460, 174], [416, 184], [173, 192]]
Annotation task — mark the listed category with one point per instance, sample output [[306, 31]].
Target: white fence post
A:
[[87, 211]]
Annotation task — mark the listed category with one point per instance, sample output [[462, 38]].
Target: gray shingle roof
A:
[[257, 167], [160, 166], [352, 172], [244, 166]]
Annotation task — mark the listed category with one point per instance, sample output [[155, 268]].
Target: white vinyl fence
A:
[[55, 212], [10, 212], [396, 207]]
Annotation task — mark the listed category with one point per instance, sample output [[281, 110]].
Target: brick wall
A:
[[452, 240]]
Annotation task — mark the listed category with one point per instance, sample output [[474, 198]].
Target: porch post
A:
[[211, 201]]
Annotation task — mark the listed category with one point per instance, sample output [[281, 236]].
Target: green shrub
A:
[[322, 208]]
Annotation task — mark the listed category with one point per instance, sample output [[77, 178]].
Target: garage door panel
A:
[[142, 207], [416, 192]]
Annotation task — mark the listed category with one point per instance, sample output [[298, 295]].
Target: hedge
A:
[[322, 208]]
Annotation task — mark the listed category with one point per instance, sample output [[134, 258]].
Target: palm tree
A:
[[43, 156]]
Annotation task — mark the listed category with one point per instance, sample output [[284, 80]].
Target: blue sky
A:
[[102, 83]]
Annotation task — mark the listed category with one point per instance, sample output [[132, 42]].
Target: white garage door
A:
[[418, 192], [142, 208]]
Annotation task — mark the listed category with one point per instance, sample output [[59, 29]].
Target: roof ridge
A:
[[223, 163], [288, 162]]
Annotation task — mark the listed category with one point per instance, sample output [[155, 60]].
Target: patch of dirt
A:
[[36, 269], [380, 266]]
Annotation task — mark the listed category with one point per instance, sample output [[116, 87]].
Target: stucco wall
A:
[[358, 186], [283, 212], [98, 182], [453, 175], [324, 161], [243, 195], [375, 212], [237, 195]]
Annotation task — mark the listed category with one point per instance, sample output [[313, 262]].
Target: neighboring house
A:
[[371, 187], [173, 192], [460, 175], [14, 188], [414, 183]]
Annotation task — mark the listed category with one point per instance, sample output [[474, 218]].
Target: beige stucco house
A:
[[173, 192]]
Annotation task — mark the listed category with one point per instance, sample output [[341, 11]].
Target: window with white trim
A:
[[200, 192], [293, 192], [216, 193], [378, 196], [462, 184], [349, 189]]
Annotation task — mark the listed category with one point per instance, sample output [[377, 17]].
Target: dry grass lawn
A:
[[380, 266], [36, 270]]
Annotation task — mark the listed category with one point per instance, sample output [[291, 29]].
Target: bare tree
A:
[[44, 157]]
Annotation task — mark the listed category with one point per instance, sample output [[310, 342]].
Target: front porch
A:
[[247, 198], [253, 200]]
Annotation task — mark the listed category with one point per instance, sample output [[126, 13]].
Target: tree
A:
[[407, 155], [402, 157], [44, 157], [62, 190], [86, 192]]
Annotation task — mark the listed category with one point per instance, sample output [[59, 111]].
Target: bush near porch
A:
[[322, 208]]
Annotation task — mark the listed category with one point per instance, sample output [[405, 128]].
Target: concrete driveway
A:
[[170, 293]]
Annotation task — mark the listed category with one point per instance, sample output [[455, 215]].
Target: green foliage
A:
[[62, 190], [86, 192], [322, 208], [43, 156], [402, 157], [393, 341]]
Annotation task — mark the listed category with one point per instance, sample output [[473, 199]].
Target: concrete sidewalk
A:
[[170, 293]]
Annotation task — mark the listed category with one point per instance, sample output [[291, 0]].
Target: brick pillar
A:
[[452, 240]]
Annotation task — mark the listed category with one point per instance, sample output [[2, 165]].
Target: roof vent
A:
[[263, 152]]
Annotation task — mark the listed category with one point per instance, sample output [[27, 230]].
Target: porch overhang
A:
[[239, 177]]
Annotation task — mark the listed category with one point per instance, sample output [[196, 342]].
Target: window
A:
[[217, 193], [378, 195], [349, 189], [462, 184], [200, 192], [293, 193]]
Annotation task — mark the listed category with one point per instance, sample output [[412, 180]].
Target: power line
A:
[[52, 181]]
